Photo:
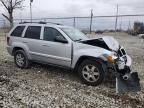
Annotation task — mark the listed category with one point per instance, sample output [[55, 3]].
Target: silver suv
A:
[[67, 47]]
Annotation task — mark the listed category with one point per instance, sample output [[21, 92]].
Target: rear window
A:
[[33, 32], [18, 31]]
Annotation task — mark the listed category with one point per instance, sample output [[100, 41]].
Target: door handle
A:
[[25, 42], [45, 45]]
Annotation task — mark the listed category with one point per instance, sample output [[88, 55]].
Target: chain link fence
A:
[[99, 23]]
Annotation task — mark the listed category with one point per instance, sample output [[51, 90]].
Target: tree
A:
[[138, 27], [10, 6]]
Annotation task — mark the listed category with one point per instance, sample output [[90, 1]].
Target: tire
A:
[[91, 72], [21, 59]]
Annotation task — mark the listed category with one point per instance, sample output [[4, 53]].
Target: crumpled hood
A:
[[106, 42], [111, 42]]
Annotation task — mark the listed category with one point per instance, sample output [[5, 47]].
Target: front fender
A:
[[95, 53]]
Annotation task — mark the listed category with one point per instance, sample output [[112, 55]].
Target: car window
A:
[[33, 32], [74, 34], [18, 31], [50, 34]]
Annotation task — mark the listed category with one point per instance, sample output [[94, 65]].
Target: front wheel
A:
[[91, 72], [21, 59]]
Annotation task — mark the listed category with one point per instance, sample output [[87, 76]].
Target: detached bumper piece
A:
[[126, 81], [129, 83]]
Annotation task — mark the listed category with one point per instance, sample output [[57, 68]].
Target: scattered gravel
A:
[[44, 86]]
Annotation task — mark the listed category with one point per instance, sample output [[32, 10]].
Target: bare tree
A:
[[10, 6]]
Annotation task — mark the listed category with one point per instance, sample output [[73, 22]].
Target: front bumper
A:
[[126, 80], [123, 62], [128, 61]]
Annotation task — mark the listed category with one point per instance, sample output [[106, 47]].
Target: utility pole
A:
[[129, 26], [31, 10], [74, 22], [20, 17], [120, 24], [116, 19], [91, 21]]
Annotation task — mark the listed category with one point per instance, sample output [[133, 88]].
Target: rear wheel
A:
[[91, 72], [21, 59]]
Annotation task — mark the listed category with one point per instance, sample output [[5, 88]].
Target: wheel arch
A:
[[20, 48], [82, 58], [15, 49]]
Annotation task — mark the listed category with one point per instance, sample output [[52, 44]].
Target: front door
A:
[[53, 51]]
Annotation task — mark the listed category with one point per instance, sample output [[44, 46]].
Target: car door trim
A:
[[51, 56]]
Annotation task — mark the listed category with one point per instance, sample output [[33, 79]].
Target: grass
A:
[[3, 32]]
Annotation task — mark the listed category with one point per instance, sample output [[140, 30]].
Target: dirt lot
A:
[[45, 86]]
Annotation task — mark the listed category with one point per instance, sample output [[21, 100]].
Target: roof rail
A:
[[41, 22]]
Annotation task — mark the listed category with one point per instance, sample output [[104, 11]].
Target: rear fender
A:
[[22, 46]]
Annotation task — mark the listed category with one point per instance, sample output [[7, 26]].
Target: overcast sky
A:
[[73, 8], [60, 8]]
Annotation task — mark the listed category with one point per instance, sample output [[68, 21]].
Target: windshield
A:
[[75, 34]]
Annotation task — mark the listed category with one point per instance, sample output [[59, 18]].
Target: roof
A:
[[44, 24]]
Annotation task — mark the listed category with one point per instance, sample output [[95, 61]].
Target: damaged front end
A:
[[126, 80]]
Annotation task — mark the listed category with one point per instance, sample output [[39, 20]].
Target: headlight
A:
[[111, 58]]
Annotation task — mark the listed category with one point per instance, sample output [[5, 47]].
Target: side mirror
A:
[[60, 39]]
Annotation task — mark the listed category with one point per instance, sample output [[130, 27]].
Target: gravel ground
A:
[[44, 86]]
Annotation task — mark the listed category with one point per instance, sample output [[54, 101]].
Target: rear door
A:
[[55, 52], [32, 38]]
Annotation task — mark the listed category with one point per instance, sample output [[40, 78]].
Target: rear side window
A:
[[18, 31], [33, 32]]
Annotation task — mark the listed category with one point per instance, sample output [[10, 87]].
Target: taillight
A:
[[8, 39]]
